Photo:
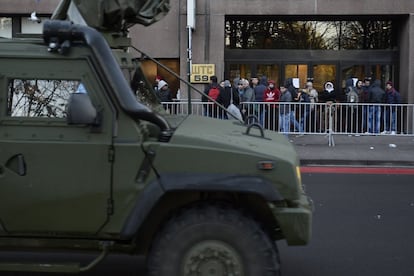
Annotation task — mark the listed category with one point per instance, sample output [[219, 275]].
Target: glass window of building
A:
[[6, 27], [32, 27], [246, 33]]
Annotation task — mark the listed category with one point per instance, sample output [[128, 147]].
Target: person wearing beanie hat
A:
[[163, 93], [260, 88], [158, 78], [392, 97], [161, 84]]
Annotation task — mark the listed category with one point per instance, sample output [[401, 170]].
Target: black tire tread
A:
[[216, 213]]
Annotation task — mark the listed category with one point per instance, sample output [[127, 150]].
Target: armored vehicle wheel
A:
[[213, 240]]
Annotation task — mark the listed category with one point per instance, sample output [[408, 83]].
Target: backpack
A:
[[352, 96], [214, 93]]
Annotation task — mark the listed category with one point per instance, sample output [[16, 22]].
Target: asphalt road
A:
[[363, 225]]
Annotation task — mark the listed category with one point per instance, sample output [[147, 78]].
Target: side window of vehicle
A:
[[39, 98]]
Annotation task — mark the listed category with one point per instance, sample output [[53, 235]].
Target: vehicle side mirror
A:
[[80, 110]]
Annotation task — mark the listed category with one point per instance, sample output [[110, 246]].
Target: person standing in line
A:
[[259, 91], [284, 109], [158, 78], [236, 82], [359, 88], [392, 98], [352, 98], [260, 88], [164, 94], [247, 96], [365, 99], [226, 96], [248, 92], [294, 93], [304, 108], [270, 95], [313, 94], [314, 99], [213, 90], [222, 84], [376, 97], [329, 96], [254, 81]]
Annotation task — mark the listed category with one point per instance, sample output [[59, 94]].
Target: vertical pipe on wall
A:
[[191, 8], [189, 63]]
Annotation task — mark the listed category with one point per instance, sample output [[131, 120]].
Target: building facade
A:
[[322, 40]]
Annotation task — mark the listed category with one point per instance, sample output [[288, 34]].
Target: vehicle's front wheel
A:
[[213, 240]]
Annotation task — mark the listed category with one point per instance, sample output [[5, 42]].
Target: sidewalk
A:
[[381, 150]]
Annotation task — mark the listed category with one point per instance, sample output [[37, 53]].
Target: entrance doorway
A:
[[321, 66]]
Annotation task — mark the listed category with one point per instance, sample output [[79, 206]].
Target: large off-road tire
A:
[[210, 239]]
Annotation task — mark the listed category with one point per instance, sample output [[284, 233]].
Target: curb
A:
[[372, 163]]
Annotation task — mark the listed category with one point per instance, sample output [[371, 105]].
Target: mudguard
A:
[[194, 182]]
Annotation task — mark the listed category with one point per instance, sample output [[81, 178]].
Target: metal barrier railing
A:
[[316, 118]]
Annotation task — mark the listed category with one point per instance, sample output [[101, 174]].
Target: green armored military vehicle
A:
[[86, 165]]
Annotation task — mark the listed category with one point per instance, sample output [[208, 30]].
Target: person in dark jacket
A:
[[376, 96], [291, 88], [392, 98], [284, 109], [210, 109], [259, 90], [304, 109], [328, 96], [366, 85], [164, 94], [226, 97], [294, 93]]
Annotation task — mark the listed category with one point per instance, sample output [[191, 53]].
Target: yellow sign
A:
[[201, 73]]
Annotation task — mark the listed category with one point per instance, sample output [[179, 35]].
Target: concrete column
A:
[[216, 42], [406, 42], [406, 78], [207, 41]]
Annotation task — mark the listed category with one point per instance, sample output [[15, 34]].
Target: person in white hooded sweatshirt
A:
[[328, 96]]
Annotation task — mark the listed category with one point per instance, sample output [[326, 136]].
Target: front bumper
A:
[[295, 222]]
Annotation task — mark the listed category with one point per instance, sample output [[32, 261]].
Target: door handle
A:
[[17, 164]]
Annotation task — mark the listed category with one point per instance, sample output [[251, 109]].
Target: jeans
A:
[[364, 118], [374, 118], [284, 122], [261, 113], [295, 123], [304, 120], [390, 118]]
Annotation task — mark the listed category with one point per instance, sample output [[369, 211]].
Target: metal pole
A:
[[189, 64], [330, 134]]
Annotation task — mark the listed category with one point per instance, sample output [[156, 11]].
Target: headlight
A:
[[299, 178]]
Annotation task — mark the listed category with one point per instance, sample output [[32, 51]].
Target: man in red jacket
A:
[[271, 95]]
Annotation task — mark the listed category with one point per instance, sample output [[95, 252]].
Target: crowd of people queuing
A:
[[279, 112]]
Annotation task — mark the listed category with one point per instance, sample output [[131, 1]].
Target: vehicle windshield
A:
[[144, 91]]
